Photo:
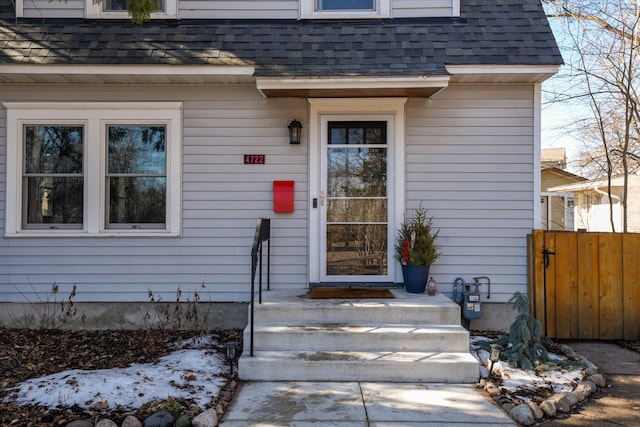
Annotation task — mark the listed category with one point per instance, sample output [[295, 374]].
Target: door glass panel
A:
[[357, 208]]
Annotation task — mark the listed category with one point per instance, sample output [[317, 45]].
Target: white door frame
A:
[[349, 108]]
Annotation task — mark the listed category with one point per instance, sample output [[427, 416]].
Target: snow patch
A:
[[194, 372]]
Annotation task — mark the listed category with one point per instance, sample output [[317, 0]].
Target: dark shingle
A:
[[502, 32]]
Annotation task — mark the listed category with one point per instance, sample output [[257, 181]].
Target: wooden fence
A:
[[585, 285]]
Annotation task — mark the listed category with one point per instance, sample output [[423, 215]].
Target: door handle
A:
[[322, 198]]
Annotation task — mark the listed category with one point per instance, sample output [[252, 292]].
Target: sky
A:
[[558, 117]]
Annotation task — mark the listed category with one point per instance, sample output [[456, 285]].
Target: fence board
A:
[[608, 282], [537, 268], [550, 283], [590, 287], [631, 286], [565, 285], [588, 307]]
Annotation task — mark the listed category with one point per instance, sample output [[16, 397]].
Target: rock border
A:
[[207, 418], [555, 405]]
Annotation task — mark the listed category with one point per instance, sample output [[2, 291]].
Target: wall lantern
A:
[[494, 356], [230, 353], [295, 130]]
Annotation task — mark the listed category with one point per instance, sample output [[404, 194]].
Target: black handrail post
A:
[[263, 232], [260, 276], [253, 287]]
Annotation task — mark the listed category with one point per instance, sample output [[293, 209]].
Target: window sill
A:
[[345, 15], [125, 15], [84, 234]]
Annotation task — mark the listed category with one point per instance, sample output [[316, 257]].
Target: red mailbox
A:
[[283, 196]]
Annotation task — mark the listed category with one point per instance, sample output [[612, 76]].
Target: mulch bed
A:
[[27, 353]]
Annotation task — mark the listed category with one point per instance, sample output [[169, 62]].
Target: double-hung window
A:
[[117, 9], [93, 168], [339, 9]]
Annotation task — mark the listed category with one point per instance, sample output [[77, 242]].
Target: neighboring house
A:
[[123, 146], [553, 158], [557, 207], [595, 211]]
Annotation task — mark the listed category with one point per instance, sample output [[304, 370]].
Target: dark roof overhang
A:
[[130, 74], [352, 87]]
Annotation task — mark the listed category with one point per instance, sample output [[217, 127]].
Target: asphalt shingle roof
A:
[[502, 32]]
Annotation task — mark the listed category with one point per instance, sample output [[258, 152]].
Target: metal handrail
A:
[[263, 233]]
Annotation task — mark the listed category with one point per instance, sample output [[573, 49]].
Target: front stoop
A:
[[411, 338]]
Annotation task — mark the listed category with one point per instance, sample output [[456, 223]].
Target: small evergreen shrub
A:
[[522, 348]]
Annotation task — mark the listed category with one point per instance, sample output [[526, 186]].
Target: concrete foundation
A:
[[495, 317], [95, 316]]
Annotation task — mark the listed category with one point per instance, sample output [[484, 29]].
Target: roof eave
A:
[[125, 74], [495, 73]]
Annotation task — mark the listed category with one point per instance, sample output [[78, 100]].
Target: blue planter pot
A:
[[415, 278]]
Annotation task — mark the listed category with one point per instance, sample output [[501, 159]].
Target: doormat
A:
[[349, 293]]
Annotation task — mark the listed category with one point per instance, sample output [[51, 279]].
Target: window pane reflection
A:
[[345, 4], [53, 200], [137, 200], [53, 149], [121, 5], [137, 149], [357, 172], [357, 210], [137, 175], [356, 249], [53, 175]]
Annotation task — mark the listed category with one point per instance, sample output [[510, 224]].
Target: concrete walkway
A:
[[355, 404], [619, 403]]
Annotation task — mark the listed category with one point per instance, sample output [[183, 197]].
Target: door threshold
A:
[[355, 285]]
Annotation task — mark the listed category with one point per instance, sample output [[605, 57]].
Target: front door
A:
[[355, 206]]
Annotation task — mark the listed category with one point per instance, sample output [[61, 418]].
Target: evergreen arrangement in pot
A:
[[416, 249]]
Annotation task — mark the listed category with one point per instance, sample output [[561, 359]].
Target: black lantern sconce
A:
[[295, 131], [494, 356], [230, 353]]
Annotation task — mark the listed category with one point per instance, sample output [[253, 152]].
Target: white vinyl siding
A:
[[422, 8], [469, 158], [221, 198], [51, 9], [239, 9]]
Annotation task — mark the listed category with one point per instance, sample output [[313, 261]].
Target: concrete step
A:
[[378, 366], [378, 337], [408, 309], [409, 338]]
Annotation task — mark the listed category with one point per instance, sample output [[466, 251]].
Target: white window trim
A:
[[94, 116], [94, 11], [308, 11], [19, 8]]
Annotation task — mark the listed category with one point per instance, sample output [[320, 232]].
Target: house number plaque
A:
[[254, 159]]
